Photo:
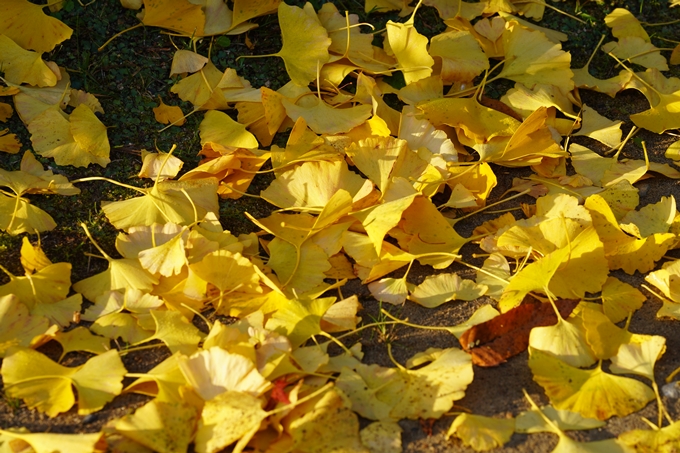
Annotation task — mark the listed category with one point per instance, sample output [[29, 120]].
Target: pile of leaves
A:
[[363, 187]]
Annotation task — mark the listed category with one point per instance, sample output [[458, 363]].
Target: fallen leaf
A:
[[169, 114], [46, 442], [27, 25], [164, 427], [532, 422], [17, 326], [591, 393], [481, 433], [215, 371], [662, 440], [23, 66], [494, 341], [46, 385]]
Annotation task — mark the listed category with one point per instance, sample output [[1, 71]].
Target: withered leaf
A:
[[494, 341]]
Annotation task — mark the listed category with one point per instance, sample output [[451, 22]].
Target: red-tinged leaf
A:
[[494, 341], [278, 392]]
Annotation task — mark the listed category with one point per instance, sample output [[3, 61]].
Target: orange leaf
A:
[[493, 342]]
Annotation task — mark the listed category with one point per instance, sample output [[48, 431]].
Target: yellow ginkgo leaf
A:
[[30, 102], [434, 236], [568, 445], [198, 88], [482, 433], [477, 122], [383, 436], [432, 389], [60, 313], [580, 275], [531, 58], [247, 9], [623, 251], [342, 315], [600, 128], [438, 289], [53, 442], [23, 66], [165, 427], [5, 112], [667, 280], [32, 257], [79, 141], [229, 417], [159, 165], [18, 216], [532, 422], [165, 202], [391, 290], [9, 143], [308, 423], [299, 269], [565, 340], [623, 23], [121, 325], [121, 274], [591, 393], [529, 144], [169, 114], [410, 49], [81, 339], [673, 151], [662, 116], [373, 390], [47, 286], [662, 440], [305, 42], [638, 51], [228, 272], [162, 382], [380, 219], [178, 15], [462, 57], [234, 168], [218, 127], [651, 219], [186, 61], [611, 86], [299, 319], [639, 357], [214, 371], [17, 326], [175, 331], [525, 101], [27, 25], [78, 97], [352, 44], [324, 119], [619, 299], [603, 171], [166, 259], [46, 385]]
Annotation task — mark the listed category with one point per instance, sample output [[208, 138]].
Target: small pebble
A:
[[671, 390]]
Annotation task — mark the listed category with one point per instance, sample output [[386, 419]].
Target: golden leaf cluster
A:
[[361, 189]]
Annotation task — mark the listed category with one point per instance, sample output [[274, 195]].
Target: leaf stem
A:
[[101, 250], [141, 24], [112, 181]]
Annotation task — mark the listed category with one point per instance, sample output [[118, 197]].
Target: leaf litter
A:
[[362, 190]]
